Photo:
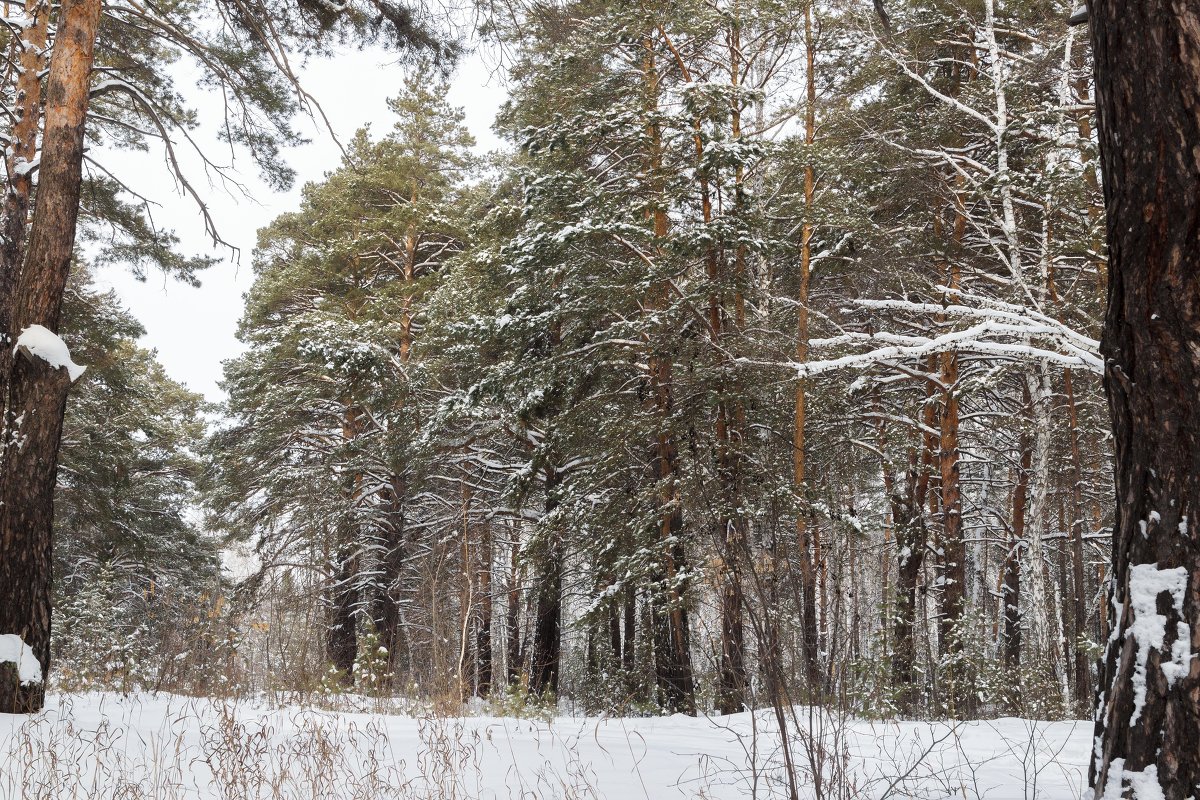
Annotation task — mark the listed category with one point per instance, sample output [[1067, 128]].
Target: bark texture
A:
[[1147, 58], [911, 538], [547, 626], [34, 393]]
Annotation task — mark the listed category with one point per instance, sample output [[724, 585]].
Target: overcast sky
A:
[[194, 329]]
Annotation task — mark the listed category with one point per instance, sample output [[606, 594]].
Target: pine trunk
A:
[[341, 635], [483, 635], [1083, 671], [956, 681], [909, 525], [807, 549], [386, 603], [514, 656], [34, 393], [547, 626], [1147, 58], [672, 648], [1010, 592]]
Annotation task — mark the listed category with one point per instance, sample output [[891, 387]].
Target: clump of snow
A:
[[13, 650], [1145, 784], [1146, 583], [45, 344]]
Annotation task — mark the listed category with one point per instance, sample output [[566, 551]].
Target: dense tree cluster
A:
[[134, 571], [764, 369]]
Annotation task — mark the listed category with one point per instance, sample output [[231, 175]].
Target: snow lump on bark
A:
[[45, 344], [13, 650], [1149, 628]]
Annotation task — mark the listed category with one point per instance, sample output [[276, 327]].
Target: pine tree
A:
[[131, 562], [129, 46], [329, 400], [1146, 720]]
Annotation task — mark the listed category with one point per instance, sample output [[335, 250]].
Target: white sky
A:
[[193, 329]]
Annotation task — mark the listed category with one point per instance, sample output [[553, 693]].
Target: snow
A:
[[22, 167], [13, 650], [1144, 784], [168, 746], [44, 343], [1149, 628]]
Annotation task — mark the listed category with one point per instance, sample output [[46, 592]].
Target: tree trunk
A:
[[466, 596], [731, 690], [908, 522], [1147, 59], [672, 645], [629, 635], [807, 549], [30, 50], [1010, 593], [547, 626], [386, 603], [672, 648], [515, 658], [483, 635], [341, 635], [35, 393], [1041, 615], [958, 692], [1083, 672]]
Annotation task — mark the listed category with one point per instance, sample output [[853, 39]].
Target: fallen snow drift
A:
[[164, 746]]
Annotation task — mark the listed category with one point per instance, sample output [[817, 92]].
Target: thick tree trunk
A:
[[547, 625], [341, 634], [672, 649], [909, 524], [1147, 59], [385, 612], [35, 393], [956, 680], [672, 645], [342, 595]]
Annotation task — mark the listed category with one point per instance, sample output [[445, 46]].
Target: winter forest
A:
[[799, 403]]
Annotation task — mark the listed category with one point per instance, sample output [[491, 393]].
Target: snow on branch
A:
[[999, 329], [37, 341]]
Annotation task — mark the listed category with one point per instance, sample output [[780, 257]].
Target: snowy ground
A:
[[164, 746]]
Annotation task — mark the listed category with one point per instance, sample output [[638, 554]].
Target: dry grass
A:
[[212, 749]]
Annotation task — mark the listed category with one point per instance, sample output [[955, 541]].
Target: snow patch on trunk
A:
[[45, 344], [1145, 784], [1149, 628], [13, 650]]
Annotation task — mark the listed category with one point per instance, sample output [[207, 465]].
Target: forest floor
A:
[[106, 745]]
